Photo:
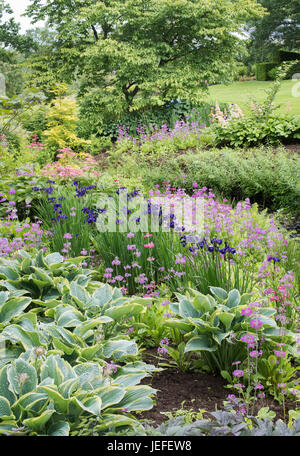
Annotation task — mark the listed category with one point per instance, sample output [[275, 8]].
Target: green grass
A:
[[241, 93]]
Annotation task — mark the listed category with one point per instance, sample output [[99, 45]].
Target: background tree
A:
[[12, 47], [132, 55], [280, 28]]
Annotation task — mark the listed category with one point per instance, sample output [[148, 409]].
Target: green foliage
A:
[[276, 30], [55, 366], [206, 324], [49, 396], [17, 108], [73, 224], [141, 122], [223, 423], [280, 55], [125, 60], [61, 121], [36, 123], [251, 132], [261, 125], [263, 69], [266, 175], [272, 372]]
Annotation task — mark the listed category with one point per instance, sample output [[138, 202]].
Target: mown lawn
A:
[[242, 93]]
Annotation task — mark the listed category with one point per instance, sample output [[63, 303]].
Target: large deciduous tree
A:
[[280, 28], [133, 54]]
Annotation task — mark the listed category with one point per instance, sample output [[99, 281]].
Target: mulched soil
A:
[[197, 390]]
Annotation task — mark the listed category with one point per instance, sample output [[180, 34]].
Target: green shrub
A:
[[251, 131], [93, 121], [262, 70], [36, 123], [281, 55], [267, 176]]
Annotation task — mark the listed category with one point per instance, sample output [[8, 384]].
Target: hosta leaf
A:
[[174, 306], [119, 348], [4, 386], [79, 295], [50, 303], [39, 260], [102, 296], [91, 323], [110, 421], [12, 308], [54, 259], [9, 273], [38, 424], [267, 321], [110, 395], [233, 299], [33, 402], [92, 405], [22, 377], [125, 310], [186, 309], [226, 318], [59, 429], [68, 317], [178, 324], [5, 410], [245, 298], [202, 343], [137, 398], [87, 372], [202, 304], [26, 266], [203, 326], [68, 387], [50, 369], [219, 292], [129, 379], [66, 336], [3, 297], [220, 336], [60, 403], [59, 345], [89, 353], [10, 428], [267, 312], [16, 333]]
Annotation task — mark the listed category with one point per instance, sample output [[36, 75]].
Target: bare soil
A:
[[197, 391]]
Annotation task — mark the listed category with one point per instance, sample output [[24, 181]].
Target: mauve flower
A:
[[256, 323], [247, 312], [238, 373], [280, 353]]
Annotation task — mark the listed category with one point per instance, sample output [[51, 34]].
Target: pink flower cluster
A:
[[71, 165]]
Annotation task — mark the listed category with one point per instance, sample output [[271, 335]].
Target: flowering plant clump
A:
[[16, 235], [71, 165]]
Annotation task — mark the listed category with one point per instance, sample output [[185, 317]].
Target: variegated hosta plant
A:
[[46, 395], [213, 325], [54, 303], [59, 365]]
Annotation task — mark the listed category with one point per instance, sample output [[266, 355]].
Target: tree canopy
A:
[[132, 54], [280, 28]]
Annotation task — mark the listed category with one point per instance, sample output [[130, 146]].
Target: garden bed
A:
[[194, 391]]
